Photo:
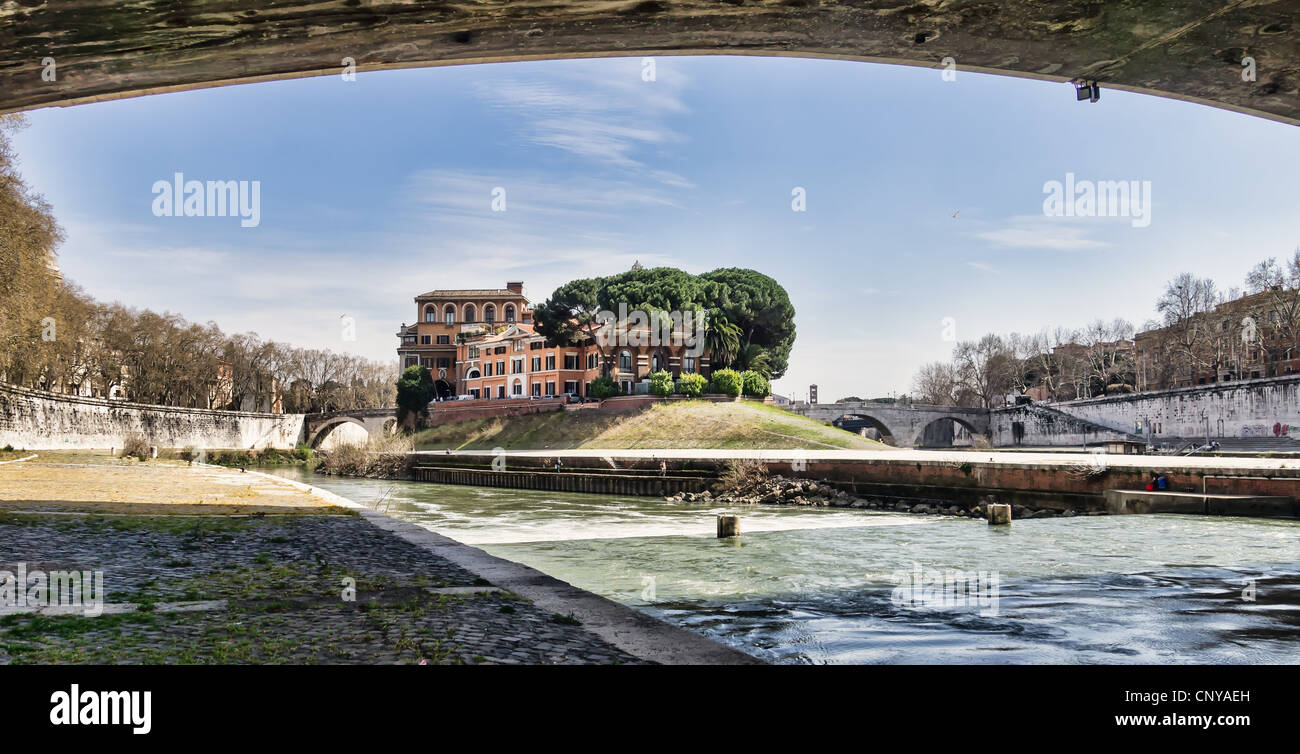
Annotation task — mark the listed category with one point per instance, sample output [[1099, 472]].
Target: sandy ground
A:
[[103, 484]]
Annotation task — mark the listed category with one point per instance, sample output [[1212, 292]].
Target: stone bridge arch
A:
[[904, 422], [939, 433], [858, 421], [377, 423], [1193, 51]]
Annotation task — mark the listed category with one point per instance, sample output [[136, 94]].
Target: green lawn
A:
[[677, 424]]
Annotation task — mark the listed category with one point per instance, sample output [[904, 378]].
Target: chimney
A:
[[516, 287]]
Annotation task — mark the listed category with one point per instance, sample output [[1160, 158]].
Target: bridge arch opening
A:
[[948, 432], [344, 430], [867, 426]]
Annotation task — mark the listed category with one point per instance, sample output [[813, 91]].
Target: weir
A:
[[1079, 482]]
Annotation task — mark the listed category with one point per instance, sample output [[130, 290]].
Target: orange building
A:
[[482, 344]]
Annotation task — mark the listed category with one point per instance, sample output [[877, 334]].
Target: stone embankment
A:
[[778, 490]]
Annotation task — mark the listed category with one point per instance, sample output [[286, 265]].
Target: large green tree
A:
[[749, 318], [761, 308]]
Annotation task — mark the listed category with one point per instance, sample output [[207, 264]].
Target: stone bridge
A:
[[377, 422], [1241, 55], [904, 424]]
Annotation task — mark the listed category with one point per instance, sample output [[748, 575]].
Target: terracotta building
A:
[[481, 343]]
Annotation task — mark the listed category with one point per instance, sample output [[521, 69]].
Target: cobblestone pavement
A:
[[283, 579]]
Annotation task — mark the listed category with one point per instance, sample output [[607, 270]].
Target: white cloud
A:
[[1041, 232]]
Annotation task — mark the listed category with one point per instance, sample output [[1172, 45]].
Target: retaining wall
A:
[[37, 420]]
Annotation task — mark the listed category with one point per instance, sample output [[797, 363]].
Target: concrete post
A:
[[999, 513], [728, 526]]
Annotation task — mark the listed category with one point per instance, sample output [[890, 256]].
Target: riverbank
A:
[[200, 564]]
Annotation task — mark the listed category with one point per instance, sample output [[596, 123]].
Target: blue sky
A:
[[377, 189]]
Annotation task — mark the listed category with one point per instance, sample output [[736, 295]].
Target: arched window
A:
[[472, 374], [625, 361], [449, 314], [489, 313], [471, 315], [510, 312], [430, 314]]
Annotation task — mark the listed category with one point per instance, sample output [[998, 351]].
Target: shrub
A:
[[603, 387], [378, 459], [742, 473], [9, 448], [661, 383], [727, 381], [691, 385], [755, 384], [136, 445]]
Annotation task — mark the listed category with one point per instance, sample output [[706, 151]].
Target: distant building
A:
[[812, 395], [482, 343], [1251, 337]]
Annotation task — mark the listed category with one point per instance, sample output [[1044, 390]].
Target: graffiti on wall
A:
[[1263, 430]]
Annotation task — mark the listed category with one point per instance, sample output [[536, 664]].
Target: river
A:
[[831, 585]]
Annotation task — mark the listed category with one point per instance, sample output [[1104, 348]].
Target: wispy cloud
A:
[[609, 115], [1041, 232]]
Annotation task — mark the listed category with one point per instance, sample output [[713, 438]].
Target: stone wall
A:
[[1041, 426], [1249, 408], [37, 420]]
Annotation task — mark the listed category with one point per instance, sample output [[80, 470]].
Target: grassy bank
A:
[[677, 424]]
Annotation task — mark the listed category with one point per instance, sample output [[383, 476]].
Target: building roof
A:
[[470, 293]]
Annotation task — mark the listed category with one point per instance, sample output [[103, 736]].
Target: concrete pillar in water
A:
[[728, 526], [999, 513]]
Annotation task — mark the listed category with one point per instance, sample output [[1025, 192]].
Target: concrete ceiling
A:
[[1185, 49]]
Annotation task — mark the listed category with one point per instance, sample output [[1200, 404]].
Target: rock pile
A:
[[778, 490]]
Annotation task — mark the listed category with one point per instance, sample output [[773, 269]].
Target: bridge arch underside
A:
[[947, 432], [859, 422], [340, 431], [1192, 50]]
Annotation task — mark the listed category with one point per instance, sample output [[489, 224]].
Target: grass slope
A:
[[679, 424]]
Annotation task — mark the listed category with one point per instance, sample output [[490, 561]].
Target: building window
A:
[[591, 361], [501, 366], [535, 346], [625, 361], [571, 386], [501, 391], [510, 312], [519, 345], [489, 313], [474, 392], [449, 315], [424, 340], [550, 362], [688, 363], [444, 340], [412, 361], [537, 363], [470, 313], [550, 388], [516, 366], [570, 361], [473, 352], [499, 350], [517, 388], [429, 314], [472, 375], [537, 388], [443, 362]]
